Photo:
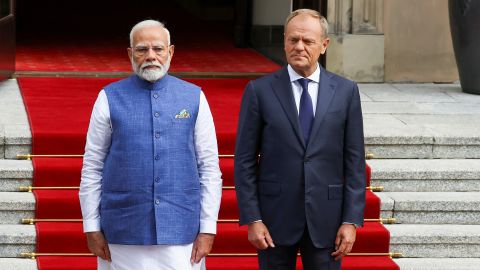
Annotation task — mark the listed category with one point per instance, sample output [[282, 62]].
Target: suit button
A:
[[306, 160], [157, 157], [157, 135], [157, 201], [156, 114], [157, 179], [155, 96]]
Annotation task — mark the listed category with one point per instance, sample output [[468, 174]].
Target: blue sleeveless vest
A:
[[150, 184]]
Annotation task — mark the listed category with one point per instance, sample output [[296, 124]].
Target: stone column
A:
[[356, 48]]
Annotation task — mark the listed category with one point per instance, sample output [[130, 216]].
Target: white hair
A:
[[312, 13], [145, 24]]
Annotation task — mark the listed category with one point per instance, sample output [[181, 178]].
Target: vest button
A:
[[157, 114], [157, 201], [157, 135], [157, 157], [155, 96], [157, 179]]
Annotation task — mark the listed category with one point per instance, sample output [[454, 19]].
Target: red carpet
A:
[[57, 172], [59, 121], [65, 172], [216, 263], [368, 174], [230, 238], [103, 56], [65, 204]]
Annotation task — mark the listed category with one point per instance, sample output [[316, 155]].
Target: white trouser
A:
[[157, 257]]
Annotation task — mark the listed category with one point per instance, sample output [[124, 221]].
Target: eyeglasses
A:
[[143, 50]]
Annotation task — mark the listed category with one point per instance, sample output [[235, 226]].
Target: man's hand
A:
[[201, 247], [344, 242], [98, 245], [259, 236]]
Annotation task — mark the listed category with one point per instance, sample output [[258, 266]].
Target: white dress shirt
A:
[[97, 147], [312, 86]]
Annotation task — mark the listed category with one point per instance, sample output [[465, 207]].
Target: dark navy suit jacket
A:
[[291, 185]]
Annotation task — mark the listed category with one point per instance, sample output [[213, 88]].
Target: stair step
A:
[[15, 136], [15, 169], [11, 185], [15, 239], [17, 263], [445, 175], [435, 241], [18, 140], [386, 205], [15, 173], [436, 207], [389, 138], [16, 205], [438, 263], [420, 241], [420, 121]]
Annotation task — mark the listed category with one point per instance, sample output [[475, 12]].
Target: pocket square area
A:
[[182, 114]]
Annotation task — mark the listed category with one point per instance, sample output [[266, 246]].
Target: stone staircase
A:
[[426, 143], [15, 138]]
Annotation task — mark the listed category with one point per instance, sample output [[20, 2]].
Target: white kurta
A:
[[150, 257], [158, 256]]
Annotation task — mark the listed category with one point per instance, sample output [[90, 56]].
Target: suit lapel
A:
[[282, 88], [326, 91]]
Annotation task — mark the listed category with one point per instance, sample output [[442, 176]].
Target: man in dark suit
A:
[[299, 159]]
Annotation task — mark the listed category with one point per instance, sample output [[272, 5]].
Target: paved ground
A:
[[422, 110]]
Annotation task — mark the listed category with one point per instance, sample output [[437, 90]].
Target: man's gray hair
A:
[[145, 24], [313, 13]]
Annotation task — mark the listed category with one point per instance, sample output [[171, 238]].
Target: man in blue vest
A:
[[151, 185]]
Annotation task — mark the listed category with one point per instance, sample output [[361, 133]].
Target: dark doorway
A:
[[112, 19], [7, 37], [320, 5], [268, 39]]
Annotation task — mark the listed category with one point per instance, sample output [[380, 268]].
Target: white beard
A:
[[151, 75]]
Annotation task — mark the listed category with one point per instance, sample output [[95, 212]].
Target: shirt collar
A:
[[315, 76]]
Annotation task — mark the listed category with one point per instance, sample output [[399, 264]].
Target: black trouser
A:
[[285, 257]]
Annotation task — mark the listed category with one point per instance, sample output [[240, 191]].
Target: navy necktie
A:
[[305, 114]]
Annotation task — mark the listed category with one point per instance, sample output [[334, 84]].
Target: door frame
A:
[[7, 46]]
